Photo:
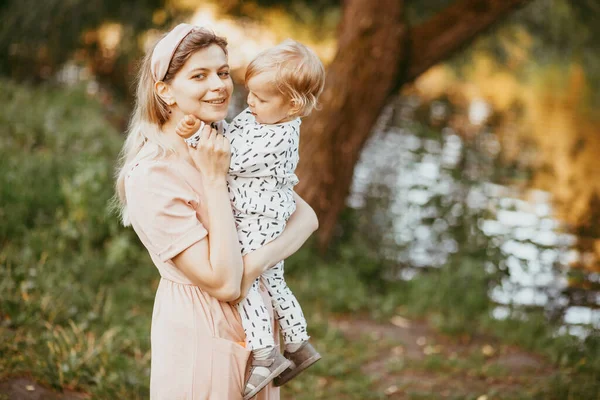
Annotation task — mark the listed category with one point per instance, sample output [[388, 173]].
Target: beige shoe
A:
[[301, 359], [275, 363]]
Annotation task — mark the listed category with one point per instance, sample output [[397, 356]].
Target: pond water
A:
[[440, 182]]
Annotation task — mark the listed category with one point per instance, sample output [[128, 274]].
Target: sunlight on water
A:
[[528, 223]]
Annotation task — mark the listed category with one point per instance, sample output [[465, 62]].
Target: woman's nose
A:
[[216, 83]]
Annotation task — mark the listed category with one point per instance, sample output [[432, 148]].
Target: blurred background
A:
[[453, 165]]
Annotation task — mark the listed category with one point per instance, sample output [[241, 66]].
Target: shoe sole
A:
[[283, 379], [268, 379]]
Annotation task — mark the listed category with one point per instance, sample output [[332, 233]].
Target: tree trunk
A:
[[377, 54], [371, 44]]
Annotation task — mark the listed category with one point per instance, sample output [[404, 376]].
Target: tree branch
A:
[[448, 31]]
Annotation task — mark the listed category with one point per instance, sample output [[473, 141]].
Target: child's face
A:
[[266, 103]]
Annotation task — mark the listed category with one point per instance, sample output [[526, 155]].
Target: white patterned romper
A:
[[260, 183]]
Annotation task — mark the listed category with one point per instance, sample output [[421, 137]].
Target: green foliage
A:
[[562, 32], [37, 37], [67, 268]]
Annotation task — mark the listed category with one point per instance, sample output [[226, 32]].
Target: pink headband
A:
[[164, 49]]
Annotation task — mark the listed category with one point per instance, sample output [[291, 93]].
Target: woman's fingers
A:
[[225, 145], [204, 135], [213, 142], [213, 153], [212, 137], [209, 132], [221, 144]]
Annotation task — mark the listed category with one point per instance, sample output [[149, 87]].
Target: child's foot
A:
[[263, 372], [301, 358], [189, 129]]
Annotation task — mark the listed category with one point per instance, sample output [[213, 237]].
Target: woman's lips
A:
[[216, 102]]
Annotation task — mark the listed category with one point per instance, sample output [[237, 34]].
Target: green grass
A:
[[76, 289]]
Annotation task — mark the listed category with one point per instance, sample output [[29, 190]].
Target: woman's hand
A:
[[246, 284], [254, 265], [212, 155]]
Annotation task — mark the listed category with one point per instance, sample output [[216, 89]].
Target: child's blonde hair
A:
[[300, 75], [151, 112]]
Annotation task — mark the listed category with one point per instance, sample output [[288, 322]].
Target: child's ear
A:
[[164, 92], [294, 107]]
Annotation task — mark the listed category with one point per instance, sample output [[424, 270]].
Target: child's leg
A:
[[255, 320], [287, 309], [292, 324], [267, 362]]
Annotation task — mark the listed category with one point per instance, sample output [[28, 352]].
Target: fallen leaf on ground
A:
[[488, 350], [391, 390], [400, 322], [398, 350], [432, 349]]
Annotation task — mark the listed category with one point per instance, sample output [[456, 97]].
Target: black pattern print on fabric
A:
[[260, 184]]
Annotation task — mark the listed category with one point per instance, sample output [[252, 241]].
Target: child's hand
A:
[[188, 126]]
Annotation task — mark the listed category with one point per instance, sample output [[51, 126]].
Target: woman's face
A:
[[203, 86]]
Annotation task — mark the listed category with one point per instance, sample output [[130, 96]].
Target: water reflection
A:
[[448, 191]]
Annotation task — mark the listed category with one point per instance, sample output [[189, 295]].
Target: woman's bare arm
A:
[[300, 226], [216, 264]]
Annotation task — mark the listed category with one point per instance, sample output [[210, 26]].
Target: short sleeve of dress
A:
[[161, 207]]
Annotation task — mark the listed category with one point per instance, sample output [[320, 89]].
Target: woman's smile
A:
[[216, 101]]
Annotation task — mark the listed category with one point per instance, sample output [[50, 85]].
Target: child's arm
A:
[[189, 129]]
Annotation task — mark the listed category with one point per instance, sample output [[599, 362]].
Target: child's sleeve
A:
[[220, 126], [162, 208], [193, 140]]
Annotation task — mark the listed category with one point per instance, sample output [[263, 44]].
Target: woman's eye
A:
[[224, 74], [199, 76]]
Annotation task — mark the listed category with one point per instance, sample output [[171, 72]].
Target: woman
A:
[[176, 199]]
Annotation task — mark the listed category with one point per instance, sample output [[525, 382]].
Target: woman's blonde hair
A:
[[299, 73], [151, 112]]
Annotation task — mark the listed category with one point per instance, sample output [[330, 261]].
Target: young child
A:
[[284, 83]]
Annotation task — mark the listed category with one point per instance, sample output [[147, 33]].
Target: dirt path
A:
[[409, 360], [412, 361], [27, 389]]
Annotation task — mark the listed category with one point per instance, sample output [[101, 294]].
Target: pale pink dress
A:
[[194, 337]]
